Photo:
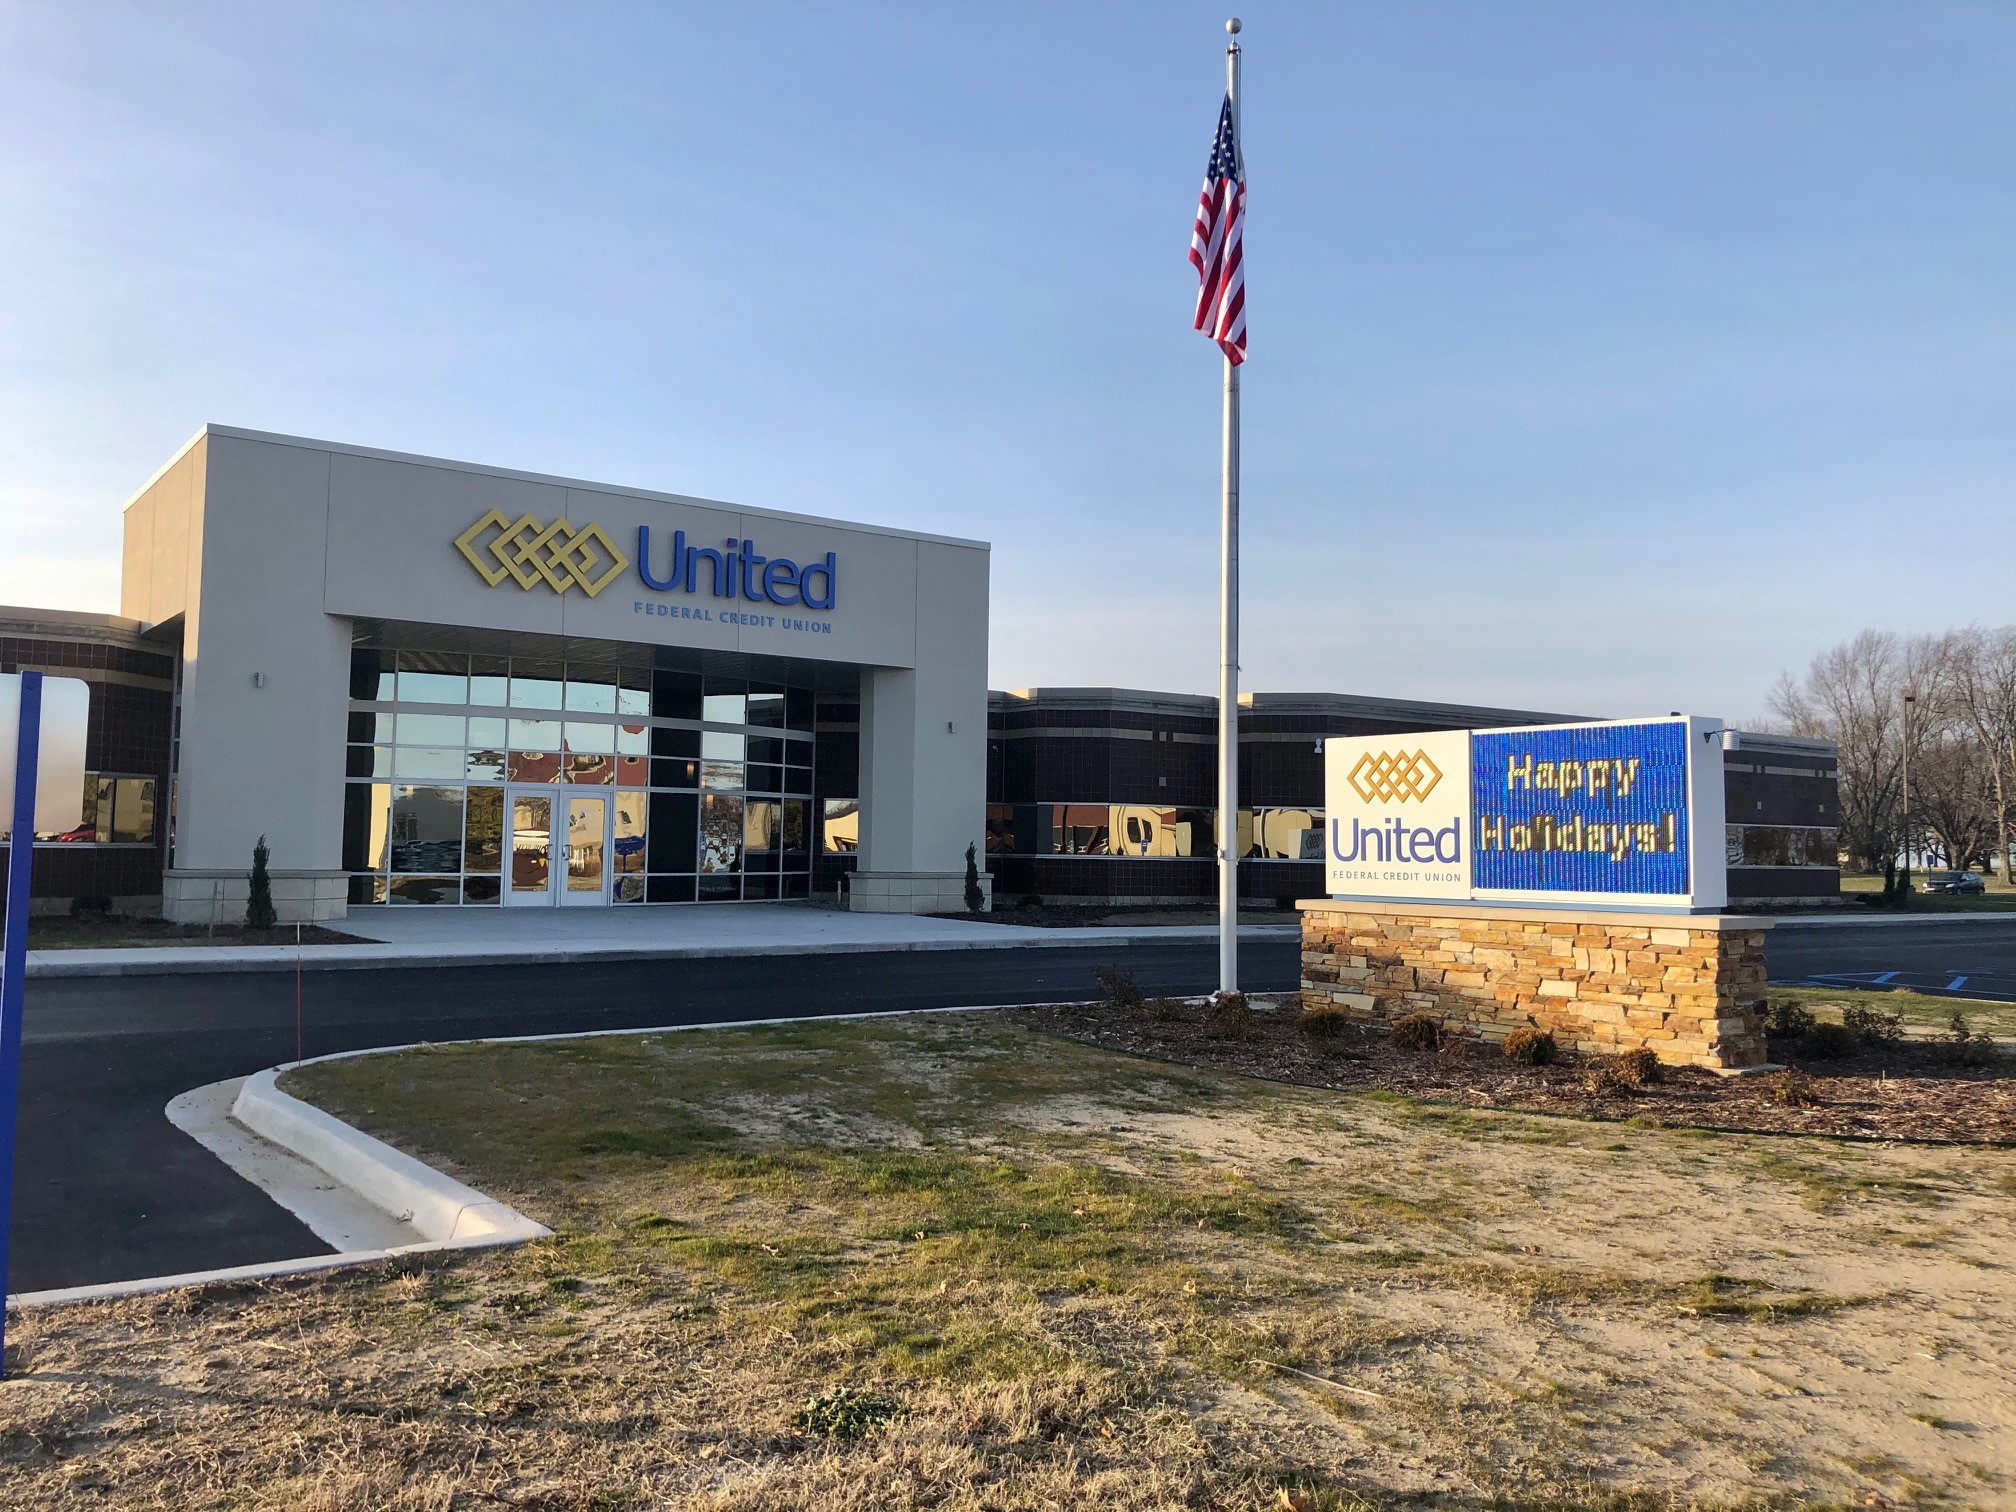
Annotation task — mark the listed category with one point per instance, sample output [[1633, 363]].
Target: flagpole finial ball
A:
[[1232, 26]]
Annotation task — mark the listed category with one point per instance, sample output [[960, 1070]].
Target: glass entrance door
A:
[[560, 848], [529, 871], [584, 875]]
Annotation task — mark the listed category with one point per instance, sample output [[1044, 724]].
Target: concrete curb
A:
[[212, 960], [450, 1215]]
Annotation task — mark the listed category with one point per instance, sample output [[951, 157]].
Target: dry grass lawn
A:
[[1064, 1279]]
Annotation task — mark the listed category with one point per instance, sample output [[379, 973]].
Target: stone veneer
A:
[[1688, 987]]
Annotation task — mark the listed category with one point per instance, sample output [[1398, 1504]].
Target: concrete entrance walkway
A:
[[504, 937]]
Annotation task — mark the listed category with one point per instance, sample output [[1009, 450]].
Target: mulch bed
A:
[[117, 931], [1915, 1090]]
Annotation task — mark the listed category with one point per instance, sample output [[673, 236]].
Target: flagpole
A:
[[1228, 631]]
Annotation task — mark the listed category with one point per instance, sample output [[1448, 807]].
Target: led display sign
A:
[[1621, 814]]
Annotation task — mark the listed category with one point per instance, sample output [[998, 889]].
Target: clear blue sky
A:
[[1604, 358]]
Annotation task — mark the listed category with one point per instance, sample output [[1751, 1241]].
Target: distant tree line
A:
[[1946, 703]]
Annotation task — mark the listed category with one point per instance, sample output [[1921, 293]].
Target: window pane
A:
[[487, 732], [675, 695], [423, 761], [482, 889], [633, 691], [535, 685], [367, 820], [1079, 829], [666, 742], [792, 834], [766, 706], [759, 825], [675, 774], [431, 729], [371, 675], [724, 707], [591, 690], [535, 735], [133, 813], [534, 766], [1290, 834], [720, 833], [798, 708], [483, 845], [366, 728], [426, 889], [632, 740], [369, 761], [716, 745], [629, 889], [590, 769], [721, 776], [426, 829], [439, 677], [489, 681], [673, 832], [629, 831], [367, 889], [841, 827], [669, 890], [597, 738], [486, 766]]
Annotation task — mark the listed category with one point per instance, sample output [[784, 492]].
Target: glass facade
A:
[[1142, 830], [475, 779], [1783, 845], [119, 809]]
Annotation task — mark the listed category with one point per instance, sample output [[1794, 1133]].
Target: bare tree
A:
[[1953, 798], [1978, 669], [1853, 695]]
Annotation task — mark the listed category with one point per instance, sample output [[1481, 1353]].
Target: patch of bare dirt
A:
[[1911, 1089]]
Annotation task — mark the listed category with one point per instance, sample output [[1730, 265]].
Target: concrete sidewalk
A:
[[1846, 917], [500, 937]]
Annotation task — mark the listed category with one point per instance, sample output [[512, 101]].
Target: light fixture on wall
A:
[[258, 679]]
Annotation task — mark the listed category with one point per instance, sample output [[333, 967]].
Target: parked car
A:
[[1954, 882]]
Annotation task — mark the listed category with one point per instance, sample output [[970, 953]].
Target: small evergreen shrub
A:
[[1828, 1041], [1161, 1010], [1119, 986], [1417, 1031], [976, 899], [1530, 1047], [1230, 1016], [1872, 1026], [259, 913], [1787, 1018]]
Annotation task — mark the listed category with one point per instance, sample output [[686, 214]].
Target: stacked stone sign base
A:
[[1688, 987]]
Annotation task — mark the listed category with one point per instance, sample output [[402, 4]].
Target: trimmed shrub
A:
[[1230, 1016], [1872, 1026], [1417, 1031], [1785, 1017], [1828, 1041], [976, 899], [1530, 1047], [1638, 1068], [1322, 1021], [259, 912], [1118, 986]]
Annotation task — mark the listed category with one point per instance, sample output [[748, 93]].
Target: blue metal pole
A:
[[14, 964]]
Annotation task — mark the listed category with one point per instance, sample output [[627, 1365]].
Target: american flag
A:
[[1216, 244]]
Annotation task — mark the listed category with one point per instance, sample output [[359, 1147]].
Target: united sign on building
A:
[[1627, 814]]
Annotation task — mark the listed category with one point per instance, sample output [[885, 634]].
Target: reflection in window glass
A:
[[367, 825], [792, 838], [589, 768], [487, 732], [760, 825], [841, 824], [629, 833], [536, 685], [717, 745], [724, 708], [483, 845], [1079, 829], [535, 766], [720, 833], [426, 829], [632, 740], [591, 690], [426, 889], [423, 761], [369, 761], [535, 735], [437, 677], [721, 776], [430, 729], [597, 738], [482, 889], [766, 708], [633, 691], [489, 681], [133, 811], [1289, 834]]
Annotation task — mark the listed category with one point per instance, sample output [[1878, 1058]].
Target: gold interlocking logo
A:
[[528, 553], [1389, 778]]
